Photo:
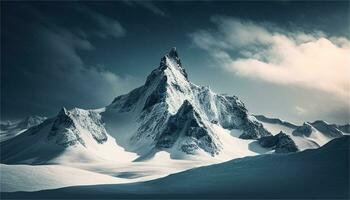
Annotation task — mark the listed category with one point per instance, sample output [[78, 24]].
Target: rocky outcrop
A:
[[281, 143], [187, 130], [253, 130], [67, 127], [304, 130]]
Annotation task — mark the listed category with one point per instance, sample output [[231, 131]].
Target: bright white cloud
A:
[[265, 52]]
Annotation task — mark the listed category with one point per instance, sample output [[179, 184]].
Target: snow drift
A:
[[320, 173]]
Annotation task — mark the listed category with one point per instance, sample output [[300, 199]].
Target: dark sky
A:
[[83, 54]]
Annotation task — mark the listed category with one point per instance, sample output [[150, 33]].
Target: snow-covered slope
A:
[[319, 132], [11, 129], [313, 174], [343, 128], [72, 136], [41, 177], [307, 136]]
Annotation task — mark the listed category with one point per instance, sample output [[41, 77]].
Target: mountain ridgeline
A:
[[168, 113]]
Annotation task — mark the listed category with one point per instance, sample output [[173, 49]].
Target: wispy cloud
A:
[[149, 5], [102, 26], [265, 52]]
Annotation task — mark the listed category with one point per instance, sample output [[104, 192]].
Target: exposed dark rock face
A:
[[232, 113], [281, 143], [158, 95], [268, 141], [285, 144], [253, 130], [304, 130], [187, 130]]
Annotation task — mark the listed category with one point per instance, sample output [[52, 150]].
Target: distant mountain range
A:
[[10, 129]]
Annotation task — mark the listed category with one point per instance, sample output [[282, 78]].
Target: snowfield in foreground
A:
[[42, 177], [316, 173]]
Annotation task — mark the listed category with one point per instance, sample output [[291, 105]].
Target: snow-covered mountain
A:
[[166, 126], [10, 129], [306, 136], [170, 113], [167, 114], [71, 136]]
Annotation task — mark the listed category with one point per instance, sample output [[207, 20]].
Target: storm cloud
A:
[[83, 54], [44, 71]]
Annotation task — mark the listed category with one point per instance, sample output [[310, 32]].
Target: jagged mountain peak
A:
[[168, 83], [173, 53], [63, 112], [168, 99], [172, 62]]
